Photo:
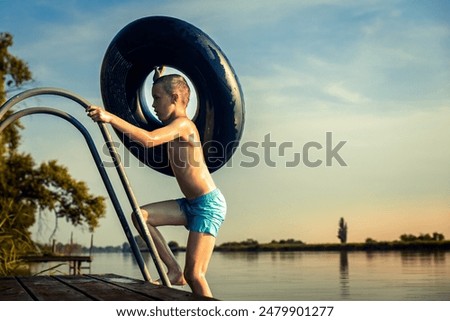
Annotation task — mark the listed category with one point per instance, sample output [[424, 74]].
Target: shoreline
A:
[[254, 246], [369, 246]]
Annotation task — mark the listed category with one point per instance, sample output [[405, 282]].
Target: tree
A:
[[438, 236], [13, 73], [25, 188], [408, 238], [342, 231], [422, 237]]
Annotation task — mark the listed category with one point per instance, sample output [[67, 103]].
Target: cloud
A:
[[339, 91]]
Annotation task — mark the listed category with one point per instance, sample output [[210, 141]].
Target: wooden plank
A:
[[102, 291], [156, 292], [12, 290], [48, 288], [109, 287]]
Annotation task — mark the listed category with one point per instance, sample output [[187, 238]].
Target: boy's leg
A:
[[158, 214], [199, 249]]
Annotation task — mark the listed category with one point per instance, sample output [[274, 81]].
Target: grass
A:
[[13, 244]]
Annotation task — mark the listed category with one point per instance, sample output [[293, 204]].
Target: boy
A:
[[203, 209]]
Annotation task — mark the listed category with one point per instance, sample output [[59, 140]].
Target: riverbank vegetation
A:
[[410, 242], [422, 242]]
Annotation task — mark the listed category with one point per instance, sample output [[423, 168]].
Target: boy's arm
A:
[[178, 128]]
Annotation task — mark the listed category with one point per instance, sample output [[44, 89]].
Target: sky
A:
[[352, 96]]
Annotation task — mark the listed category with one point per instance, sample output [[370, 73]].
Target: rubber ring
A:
[[159, 40]]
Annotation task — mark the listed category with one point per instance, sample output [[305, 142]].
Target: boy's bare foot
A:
[[175, 279]]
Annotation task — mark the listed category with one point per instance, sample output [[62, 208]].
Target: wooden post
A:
[[71, 243], [92, 244]]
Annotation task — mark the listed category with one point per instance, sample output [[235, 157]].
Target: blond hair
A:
[[175, 84]]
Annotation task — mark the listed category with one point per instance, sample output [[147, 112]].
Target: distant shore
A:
[[291, 245], [368, 246]]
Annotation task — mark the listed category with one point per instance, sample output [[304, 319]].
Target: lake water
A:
[[304, 276]]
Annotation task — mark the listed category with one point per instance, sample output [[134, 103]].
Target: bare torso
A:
[[188, 165]]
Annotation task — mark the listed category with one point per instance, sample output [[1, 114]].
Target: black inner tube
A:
[[155, 41]]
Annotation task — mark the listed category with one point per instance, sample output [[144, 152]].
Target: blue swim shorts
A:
[[205, 213]]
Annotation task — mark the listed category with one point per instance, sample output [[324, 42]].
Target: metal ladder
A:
[[98, 161]]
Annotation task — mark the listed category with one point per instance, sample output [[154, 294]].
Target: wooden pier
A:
[[105, 287], [75, 261]]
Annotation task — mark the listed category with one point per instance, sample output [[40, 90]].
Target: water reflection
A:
[[291, 256], [344, 280], [370, 255], [377, 275], [425, 258]]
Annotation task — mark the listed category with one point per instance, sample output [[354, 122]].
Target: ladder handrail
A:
[[114, 155]]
